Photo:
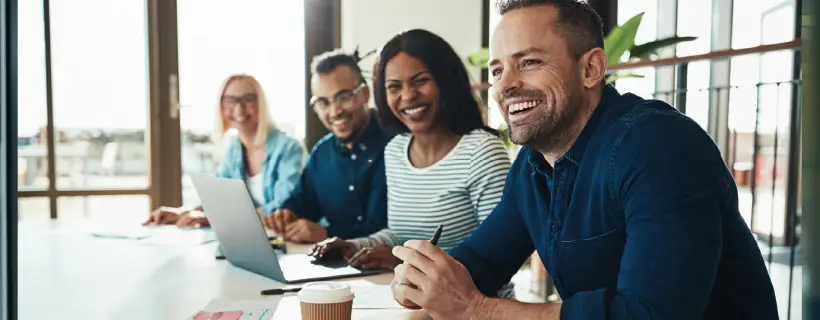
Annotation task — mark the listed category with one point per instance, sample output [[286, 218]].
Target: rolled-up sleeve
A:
[[670, 179]]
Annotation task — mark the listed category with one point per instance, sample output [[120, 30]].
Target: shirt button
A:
[[369, 160], [359, 218], [351, 187], [352, 157]]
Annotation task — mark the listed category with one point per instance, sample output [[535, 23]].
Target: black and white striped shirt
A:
[[460, 190]]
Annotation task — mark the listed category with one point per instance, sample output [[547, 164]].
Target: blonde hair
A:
[[265, 125]]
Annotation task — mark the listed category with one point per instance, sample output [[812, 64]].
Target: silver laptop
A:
[[240, 232]]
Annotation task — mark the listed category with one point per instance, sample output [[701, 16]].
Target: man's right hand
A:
[[162, 215], [279, 220], [192, 221], [332, 249]]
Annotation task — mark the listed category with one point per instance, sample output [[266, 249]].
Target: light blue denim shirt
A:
[[281, 170]]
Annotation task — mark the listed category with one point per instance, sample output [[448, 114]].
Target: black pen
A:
[[437, 234], [434, 241], [276, 291], [358, 253]]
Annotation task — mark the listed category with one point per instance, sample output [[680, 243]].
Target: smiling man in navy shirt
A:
[[627, 201], [343, 190]]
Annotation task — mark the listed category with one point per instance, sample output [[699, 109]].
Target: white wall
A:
[[371, 23]]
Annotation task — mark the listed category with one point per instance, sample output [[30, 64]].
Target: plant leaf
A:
[[504, 132], [479, 58], [647, 50], [615, 76], [621, 39]]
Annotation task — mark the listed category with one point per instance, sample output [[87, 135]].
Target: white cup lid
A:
[[325, 292]]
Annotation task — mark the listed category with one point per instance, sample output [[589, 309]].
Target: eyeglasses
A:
[[320, 104], [233, 101]]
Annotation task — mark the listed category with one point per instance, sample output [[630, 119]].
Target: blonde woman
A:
[[269, 161]]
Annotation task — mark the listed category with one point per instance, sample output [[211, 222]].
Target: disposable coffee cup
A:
[[326, 301]]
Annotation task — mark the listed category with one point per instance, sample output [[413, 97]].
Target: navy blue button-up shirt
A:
[[638, 220], [345, 187]]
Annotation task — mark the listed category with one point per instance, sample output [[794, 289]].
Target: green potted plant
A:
[[504, 131]]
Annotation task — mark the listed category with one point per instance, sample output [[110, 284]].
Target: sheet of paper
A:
[[179, 237], [226, 315], [132, 232], [247, 309], [374, 297]]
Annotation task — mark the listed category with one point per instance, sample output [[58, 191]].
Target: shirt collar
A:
[[538, 163], [239, 156], [576, 152], [372, 134]]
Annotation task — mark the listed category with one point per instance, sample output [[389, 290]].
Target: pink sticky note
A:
[[225, 315]]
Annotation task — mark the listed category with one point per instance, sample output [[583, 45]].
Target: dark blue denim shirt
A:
[[638, 220], [345, 188]]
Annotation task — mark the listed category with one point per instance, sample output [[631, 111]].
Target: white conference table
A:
[[66, 273]]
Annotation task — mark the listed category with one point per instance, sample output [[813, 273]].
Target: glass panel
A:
[[246, 40], [100, 78], [692, 24], [647, 32], [131, 209], [494, 116], [764, 82], [35, 208], [642, 87], [756, 18], [775, 102], [32, 153]]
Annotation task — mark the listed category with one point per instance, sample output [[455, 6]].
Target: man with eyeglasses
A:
[[342, 192]]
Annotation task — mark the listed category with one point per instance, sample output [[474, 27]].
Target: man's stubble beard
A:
[[555, 126], [358, 130]]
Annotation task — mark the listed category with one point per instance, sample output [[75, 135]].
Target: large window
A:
[[264, 39], [99, 62], [107, 75], [761, 102], [32, 161], [99, 109], [760, 107]]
